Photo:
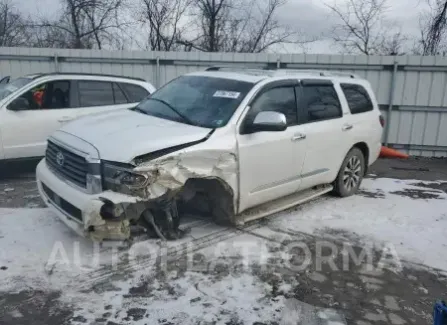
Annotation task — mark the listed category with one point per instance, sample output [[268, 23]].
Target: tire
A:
[[351, 174]]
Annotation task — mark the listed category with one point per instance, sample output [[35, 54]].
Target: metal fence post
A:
[[157, 73], [278, 63], [56, 63], [390, 106]]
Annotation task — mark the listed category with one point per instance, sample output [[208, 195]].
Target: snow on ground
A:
[[190, 299], [411, 218], [38, 251]]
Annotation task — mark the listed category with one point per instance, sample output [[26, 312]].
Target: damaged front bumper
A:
[[84, 213], [109, 215]]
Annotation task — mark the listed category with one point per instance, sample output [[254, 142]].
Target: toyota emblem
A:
[[60, 159]]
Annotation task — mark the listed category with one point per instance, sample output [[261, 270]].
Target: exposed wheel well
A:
[[365, 150], [208, 197]]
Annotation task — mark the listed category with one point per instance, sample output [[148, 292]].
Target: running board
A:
[[280, 204]]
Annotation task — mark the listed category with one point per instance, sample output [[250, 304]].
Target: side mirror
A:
[[19, 104], [268, 121]]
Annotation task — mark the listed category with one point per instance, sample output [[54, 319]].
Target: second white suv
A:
[[34, 106], [232, 146]]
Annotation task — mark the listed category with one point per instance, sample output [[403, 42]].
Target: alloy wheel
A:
[[352, 173]]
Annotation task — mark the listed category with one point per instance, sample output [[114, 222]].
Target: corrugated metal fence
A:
[[411, 90]]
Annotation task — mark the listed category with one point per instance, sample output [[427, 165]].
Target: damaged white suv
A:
[[229, 145]]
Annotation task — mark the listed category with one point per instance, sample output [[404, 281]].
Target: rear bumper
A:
[[81, 211]]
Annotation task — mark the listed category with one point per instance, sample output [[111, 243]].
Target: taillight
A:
[[382, 120]]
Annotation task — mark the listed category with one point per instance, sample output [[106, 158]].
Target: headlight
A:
[[121, 177]]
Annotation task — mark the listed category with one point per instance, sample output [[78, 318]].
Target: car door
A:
[[97, 96], [363, 121], [33, 115], [270, 162], [323, 125]]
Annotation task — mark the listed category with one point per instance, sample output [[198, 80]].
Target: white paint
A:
[[24, 133], [172, 172], [122, 135], [295, 159]]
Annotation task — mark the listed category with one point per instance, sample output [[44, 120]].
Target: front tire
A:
[[351, 174]]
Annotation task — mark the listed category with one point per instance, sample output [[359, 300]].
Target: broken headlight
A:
[[121, 177]]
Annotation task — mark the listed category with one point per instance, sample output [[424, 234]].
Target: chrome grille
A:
[[67, 164]]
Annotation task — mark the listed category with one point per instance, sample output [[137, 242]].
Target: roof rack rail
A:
[[252, 71], [234, 68], [276, 71], [322, 73], [39, 75]]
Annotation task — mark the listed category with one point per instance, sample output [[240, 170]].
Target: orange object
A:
[[386, 152]]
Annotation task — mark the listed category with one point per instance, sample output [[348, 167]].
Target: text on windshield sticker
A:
[[227, 94]]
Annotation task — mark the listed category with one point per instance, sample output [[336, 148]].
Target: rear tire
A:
[[351, 173]]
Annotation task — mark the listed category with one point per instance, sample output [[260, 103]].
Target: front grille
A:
[[67, 207], [66, 163]]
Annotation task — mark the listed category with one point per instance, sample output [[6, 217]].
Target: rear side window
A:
[[134, 92], [95, 93], [358, 98], [319, 103], [118, 95]]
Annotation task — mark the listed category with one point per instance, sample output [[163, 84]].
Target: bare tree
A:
[[84, 24], [210, 16], [239, 26], [433, 28], [393, 44], [362, 28], [104, 20], [163, 21], [13, 26], [46, 37], [258, 28]]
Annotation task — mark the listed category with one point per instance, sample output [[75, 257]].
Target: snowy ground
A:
[[375, 258]]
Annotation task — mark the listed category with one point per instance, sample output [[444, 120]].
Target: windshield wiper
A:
[[186, 119]]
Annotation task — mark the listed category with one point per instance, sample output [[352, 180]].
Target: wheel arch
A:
[[363, 147], [218, 194]]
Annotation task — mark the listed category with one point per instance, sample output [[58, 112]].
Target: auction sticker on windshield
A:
[[227, 94]]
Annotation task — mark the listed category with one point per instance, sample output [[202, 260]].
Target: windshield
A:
[[7, 89], [197, 100]]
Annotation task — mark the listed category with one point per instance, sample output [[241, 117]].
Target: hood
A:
[[124, 134]]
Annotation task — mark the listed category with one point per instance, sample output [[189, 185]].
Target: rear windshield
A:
[[12, 86], [202, 101]]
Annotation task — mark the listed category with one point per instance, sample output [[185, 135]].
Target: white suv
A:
[[34, 106], [229, 145]]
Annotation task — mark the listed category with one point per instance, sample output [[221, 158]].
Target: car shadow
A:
[[18, 169]]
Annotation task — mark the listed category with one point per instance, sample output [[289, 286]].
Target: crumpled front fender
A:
[[167, 177]]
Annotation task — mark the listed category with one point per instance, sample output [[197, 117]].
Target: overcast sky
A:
[[310, 16]]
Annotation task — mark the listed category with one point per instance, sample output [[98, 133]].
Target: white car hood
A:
[[123, 135]]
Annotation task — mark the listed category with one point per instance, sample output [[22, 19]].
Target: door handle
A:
[[65, 119], [347, 127], [298, 137]]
